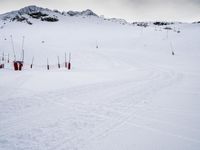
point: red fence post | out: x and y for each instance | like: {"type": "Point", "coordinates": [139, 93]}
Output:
{"type": "Point", "coordinates": [69, 66]}
{"type": "Point", "coordinates": [15, 64]}
{"type": "Point", "coordinates": [1, 66]}
{"type": "Point", "coordinates": [20, 66]}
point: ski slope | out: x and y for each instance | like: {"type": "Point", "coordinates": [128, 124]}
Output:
{"type": "Point", "coordinates": [129, 93]}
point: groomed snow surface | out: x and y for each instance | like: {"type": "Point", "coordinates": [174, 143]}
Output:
{"type": "Point", "coordinates": [130, 93]}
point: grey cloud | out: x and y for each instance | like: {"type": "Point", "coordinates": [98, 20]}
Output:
{"type": "Point", "coordinates": [195, 1]}
{"type": "Point", "coordinates": [146, 2]}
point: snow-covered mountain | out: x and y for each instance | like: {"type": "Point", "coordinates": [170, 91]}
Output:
{"type": "Point", "coordinates": [28, 13]}
{"type": "Point", "coordinates": [131, 85]}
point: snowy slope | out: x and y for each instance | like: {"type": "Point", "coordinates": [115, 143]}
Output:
{"type": "Point", "coordinates": [129, 93]}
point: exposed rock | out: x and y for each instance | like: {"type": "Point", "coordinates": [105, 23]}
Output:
{"type": "Point", "coordinates": [87, 12]}
{"type": "Point", "coordinates": [32, 9]}
{"type": "Point", "coordinates": [198, 22]}
{"type": "Point", "coordinates": [162, 23]}
{"type": "Point", "coordinates": [37, 15]}
{"type": "Point", "coordinates": [168, 28]}
{"type": "Point", "coordinates": [21, 19]}
{"type": "Point", "coordinates": [120, 21]}
{"type": "Point", "coordinates": [141, 24]}
{"type": "Point", "coordinates": [49, 19]}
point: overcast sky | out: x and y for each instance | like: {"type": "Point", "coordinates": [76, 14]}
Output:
{"type": "Point", "coordinates": [131, 10]}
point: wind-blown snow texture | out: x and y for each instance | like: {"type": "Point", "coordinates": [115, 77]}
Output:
{"type": "Point", "coordinates": [129, 93]}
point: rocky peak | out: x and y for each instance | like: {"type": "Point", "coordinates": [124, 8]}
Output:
{"type": "Point", "coordinates": [31, 9]}
{"type": "Point", "coordinates": [28, 13]}
{"type": "Point", "coordinates": [87, 12]}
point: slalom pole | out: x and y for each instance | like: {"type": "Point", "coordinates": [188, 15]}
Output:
{"type": "Point", "coordinates": [32, 62]}
{"type": "Point", "coordinates": [48, 64]}
{"type": "Point", "coordinates": [173, 53]}
{"type": "Point", "coordinates": [22, 57]}
{"type": "Point", "coordinates": [97, 45]}
{"type": "Point", "coordinates": [20, 65]}
{"type": "Point", "coordinates": [8, 61]}
{"type": "Point", "coordinates": [1, 64]}
{"type": "Point", "coordinates": [13, 47]}
{"type": "Point", "coordinates": [15, 65]}
{"type": "Point", "coordinates": [69, 64]}
{"type": "Point", "coordinates": [65, 60]}
{"type": "Point", "coordinates": [58, 62]}
{"type": "Point", "coordinates": [3, 56]}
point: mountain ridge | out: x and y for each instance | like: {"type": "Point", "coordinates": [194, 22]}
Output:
{"type": "Point", "coordinates": [30, 12]}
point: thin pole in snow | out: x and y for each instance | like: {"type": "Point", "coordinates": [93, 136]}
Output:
{"type": "Point", "coordinates": [69, 57]}
{"type": "Point", "coordinates": [32, 62]}
{"type": "Point", "coordinates": [65, 60]}
{"type": "Point", "coordinates": [97, 45]}
{"type": "Point", "coordinates": [8, 59]}
{"type": "Point", "coordinates": [47, 64]}
{"type": "Point", "coordinates": [23, 42]}
{"type": "Point", "coordinates": [1, 64]}
{"type": "Point", "coordinates": [3, 56]}
{"type": "Point", "coordinates": [22, 57]}
{"type": "Point", "coordinates": [58, 62]}
{"type": "Point", "coordinates": [69, 64]}
{"type": "Point", "coordinates": [13, 47]}
{"type": "Point", "coordinates": [172, 49]}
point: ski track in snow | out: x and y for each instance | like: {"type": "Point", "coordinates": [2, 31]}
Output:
{"type": "Point", "coordinates": [110, 95]}
{"type": "Point", "coordinates": [115, 102]}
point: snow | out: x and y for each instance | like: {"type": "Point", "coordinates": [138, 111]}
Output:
{"type": "Point", "coordinates": [129, 93]}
